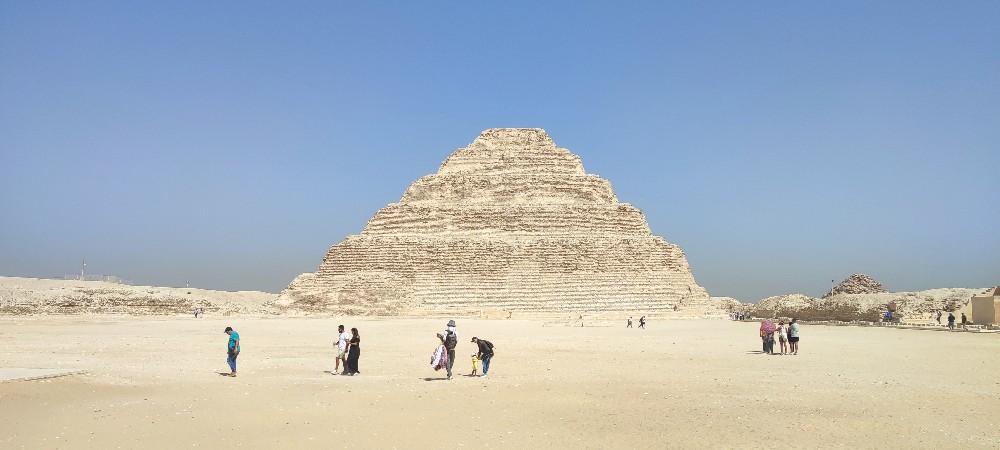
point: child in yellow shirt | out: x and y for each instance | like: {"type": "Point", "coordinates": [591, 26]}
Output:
{"type": "Point", "coordinates": [475, 364]}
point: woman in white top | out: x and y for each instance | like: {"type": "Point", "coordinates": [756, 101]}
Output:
{"type": "Point", "coordinates": [783, 337]}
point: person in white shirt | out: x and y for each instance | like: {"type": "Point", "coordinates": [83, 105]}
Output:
{"type": "Point", "coordinates": [783, 337]}
{"type": "Point", "coordinates": [341, 350]}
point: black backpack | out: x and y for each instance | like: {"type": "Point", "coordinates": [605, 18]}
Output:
{"type": "Point", "coordinates": [451, 341]}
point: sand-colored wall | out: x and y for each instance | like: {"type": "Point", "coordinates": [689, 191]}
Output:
{"type": "Point", "coordinates": [986, 310]}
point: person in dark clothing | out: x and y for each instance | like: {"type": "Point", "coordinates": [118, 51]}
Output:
{"type": "Point", "coordinates": [965, 320]}
{"type": "Point", "coordinates": [450, 341]}
{"type": "Point", "coordinates": [353, 353]}
{"type": "Point", "coordinates": [485, 353]}
{"type": "Point", "coordinates": [642, 322]}
{"type": "Point", "coordinates": [951, 320]}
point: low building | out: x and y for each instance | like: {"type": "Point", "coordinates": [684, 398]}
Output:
{"type": "Point", "coordinates": [986, 307]}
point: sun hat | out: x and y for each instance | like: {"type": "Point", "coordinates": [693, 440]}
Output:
{"type": "Point", "coordinates": [451, 323]}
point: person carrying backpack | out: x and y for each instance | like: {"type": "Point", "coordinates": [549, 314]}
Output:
{"type": "Point", "coordinates": [450, 340]}
{"type": "Point", "coordinates": [485, 353]}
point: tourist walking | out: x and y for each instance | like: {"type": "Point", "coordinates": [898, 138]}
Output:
{"type": "Point", "coordinates": [485, 353]}
{"type": "Point", "coordinates": [965, 320]}
{"type": "Point", "coordinates": [793, 336]}
{"type": "Point", "coordinates": [342, 339]}
{"type": "Point", "coordinates": [450, 340]}
{"type": "Point", "coordinates": [951, 320]}
{"type": "Point", "coordinates": [353, 353]}
{"type": "Point", "coordinates": [783, 337]}
{"type": "Point", "coordinates": [642, 322]}
{"type": "Point", "coordinates": [629, 322]}
{"type": "Point", "coordinates": [939, 317]}
{"type": "Point", "coordinates": [232, 349]}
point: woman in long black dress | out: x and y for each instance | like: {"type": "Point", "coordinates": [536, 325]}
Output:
{"type": "Point", "coordinates": [353, 353]}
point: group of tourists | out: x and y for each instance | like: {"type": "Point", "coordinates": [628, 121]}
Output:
{"type": "Point", "coordinates": [642, 322]}
{"type": "Point", "coordinates": [739, 315]}
{"type": "Point", "coordinates": [786, 335]}
{"type": "Point", "coordinates": [348, 351]}
{"type": "Point", "coordinates": [951, 319]}
{"type": "Point", "coordinates": [444, 355]}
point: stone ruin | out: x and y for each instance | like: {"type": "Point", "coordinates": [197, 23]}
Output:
{"type": "Point", "coordinates": [509, 224]}
{"type": "Point", "coordinates": [857, 284]}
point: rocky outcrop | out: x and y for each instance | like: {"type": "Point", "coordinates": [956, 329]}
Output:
{"type": "Point", "coordinates": [857, 284]}
{"type": "Point", "coordinates": [510, 223]}
{"type": "Point", "coordinates": [909, 306]}
{"type": "Point", "coordinates": [29, 296]}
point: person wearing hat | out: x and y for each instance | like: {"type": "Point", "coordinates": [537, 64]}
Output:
{"type": "Point", "coordinates": [485, 353]}
{"type": "Point", "coordinates": [233, 349]}
{"type": "Point", "coordinates": [450, 341]}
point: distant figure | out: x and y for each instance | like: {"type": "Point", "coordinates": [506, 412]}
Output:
{"type": "Point", "coordinates": [353, 353]}
{"type": "Point", "coordinates": [642, 322]}
{"type": "Point", "coordinates": [450, 341]}
{"type": "Point", "coordinates": [475, 364]}
{"type": "Point", "coordinates": [232, 349]}
{"type": "Point", "coordinates": [342, 339]}
{"type": "Point", "coordinates": [783, 337]}
{"type": "Point", "coordinates": [888, 316]}
{"type": "Point", "coordinates": [629, 323]}
{"type": "Point", "coordinates": [485, 353]}
{"type": "Point", "coordinates": [793, 337]}
{"type": "Point", "coordinates": [939, 316]}
{"type": "Point", "coordinates": [951, 320]}
{"type": "Point", "coordinates": [964, 320]}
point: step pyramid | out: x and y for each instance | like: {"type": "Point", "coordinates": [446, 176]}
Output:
{"type": "Point", "coordinates": [510, 223]}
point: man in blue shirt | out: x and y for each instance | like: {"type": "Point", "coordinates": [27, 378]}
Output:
{"type": "Point", "coordinates": [233, 349]}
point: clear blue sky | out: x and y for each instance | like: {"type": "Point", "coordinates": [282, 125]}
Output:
{"type": "Point", "coordinates": [230, 144]}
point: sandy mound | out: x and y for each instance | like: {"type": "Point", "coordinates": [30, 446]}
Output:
{"type": "Point", "coordinates": [910, 306]}
{"type": "Point", "coordinates": [26, 296]}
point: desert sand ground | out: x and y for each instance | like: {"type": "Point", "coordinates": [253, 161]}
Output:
{"type": "Point", "coordinates": [155, 383]}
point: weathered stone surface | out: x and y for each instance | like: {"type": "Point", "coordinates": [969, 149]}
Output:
{"type": "Point", "coordinates": [29, 296]}
{"type": "Point", "coordinates": [909, 306]}
{"type": "Point", "coordinates": [509, 223]}
{"type": "Point", "coordinates": [857, 284]}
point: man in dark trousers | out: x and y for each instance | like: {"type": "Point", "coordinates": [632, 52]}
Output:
{"type": "Point", "coordinates": [450, 341]}
{"type": "Point", "coordinates": [485, 353]}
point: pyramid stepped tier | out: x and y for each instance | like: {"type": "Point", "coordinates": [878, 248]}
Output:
{"type": "Point", "coordinates": [588, 220]}
{"type": "Point", "coordinates": [509, 223]}
{"type": "Point", "coordinates": [510, 189]}
{"type": "Point", "coordinates": [409, 256]}
{"type": "Point", "coordinates": [505, 150]}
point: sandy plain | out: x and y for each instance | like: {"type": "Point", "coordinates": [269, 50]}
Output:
{"type": "Point", "coordinates": [156, 383]}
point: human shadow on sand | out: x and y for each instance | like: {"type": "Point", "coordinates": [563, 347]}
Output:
{"type": "Point", "coordinates": [759, 352]}
{"type": "Point", "coordinates": [435, 379]}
